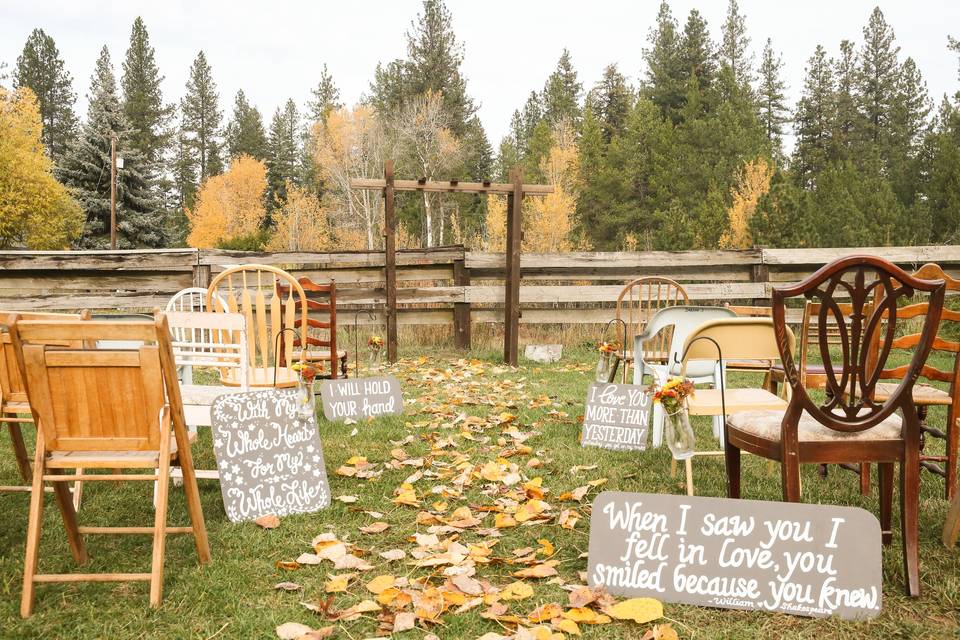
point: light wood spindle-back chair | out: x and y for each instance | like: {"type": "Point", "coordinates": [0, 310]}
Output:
{"type": "Point", "coordinates": [321, 342]}
{"type": "Point", "coordinates": [14, 405]}
{"type": "Point", "coordinates": [638, 302]}
{"type": "Point", "coordinates": [104, 408]}
{"type": "Point", "coordinates": [252, 291]}
{"type": "Point", "coordinates": [849, 426]}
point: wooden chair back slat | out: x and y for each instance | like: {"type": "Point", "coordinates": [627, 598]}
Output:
{"type": "Point", "coordinates": [253, 290]}
{"type": "Point", "coordinates": [639, 301]}
{"type": "Point", "coordinates": [851, 380]}
{"type": "Point", "coordinates": [321, 298]}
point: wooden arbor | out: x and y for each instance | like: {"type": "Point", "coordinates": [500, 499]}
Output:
{"type": "Point", "coordinates": [515, 190]}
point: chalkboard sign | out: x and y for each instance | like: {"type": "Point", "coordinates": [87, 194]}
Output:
{"type": "Point", "coordinates": [804, 559]}
{"type": "Point", "coordinates": [358, 398]}
{"type": "Point", "coordinates": [616, 416]}
{"type": "Point", "coordinates": [268, 454]}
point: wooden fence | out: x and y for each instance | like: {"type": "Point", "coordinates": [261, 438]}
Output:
{"type": "Point", "coordinates": [441, 286]}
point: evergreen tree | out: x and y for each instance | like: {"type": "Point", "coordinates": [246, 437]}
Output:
{"type": "Point", "coordinates": [41, 69]}
{"type": "Point", "coordinates": [907, 129]}
{"type": "Point", "coordinates": [86, 170]}
{"type": "Point", "coordinates": [283, 153]}
{"type": "Point", "coordinates": [611, 100]}
{"type": "Point", "coordinates": [561, 94]}
{"type": "Point", "coordinates": [245, 133]}
{"type": "Point", "coordinates": [878, 76]}
{"type": "Point", "coordinates": [697, 55]}
{"type": "Point", "coordinates": [666, 76]}
{"type": "Point", "coordinates": [814, 120]}
{"type": "Point", "coordinates": [143, 104]}
{"type": "Point", "coordinates": [735, 45]}
{"type": "Point", "coordinates": [771, 100]}
{"type": "Point", "coordinates": [201, 123]}
{"type": "Point", "coordinates": [846, 140]}
{"type": "Point", "coordinates": [326, 98]}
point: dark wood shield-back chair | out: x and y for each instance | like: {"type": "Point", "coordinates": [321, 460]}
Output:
{"type": "Point", "coordinates": [851, 426]}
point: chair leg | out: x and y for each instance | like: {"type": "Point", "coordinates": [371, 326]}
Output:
{"type": "Point", "coordinates": [688, 467]}
{"type": "Point", "coordinates": [65, 502]}
{"type": "Point", "coordinates": [885, 480]}
{"type": "Point", "coordinates": [160, 526]}
{"type": "Point", "coordinates": [34, 522]}
{"type": "Point", "coordinates": [910, 514]}
{"type": "Point", "coordinates": [657, 420]}
{"type": "Point", "coordinates": [790, 477]}
{"type": "Point", "coordinates": [20, 450]}
{"type": "Point", "coordinates": [77, 491]}
{"type": "Point", "coordinates": [952, 450]}
{"type": "Point", "coordinates": [185, 461]}
{"type": "Point", "coordinates": [951, 528]}
{"type": "Point", "coordinates": [865, 478]}
{"type": "Point", "coordinates": [731, 456]}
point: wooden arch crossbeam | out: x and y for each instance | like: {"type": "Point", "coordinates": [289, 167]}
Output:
{"type": "Point", "coordinates": [515, 190]}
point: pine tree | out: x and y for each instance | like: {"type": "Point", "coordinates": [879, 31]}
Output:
{"type": "Point", "coordinates": [561, 93]}
{"type": "Point", "coordinates": [326, 98]}
{"type": "Point", "coordinates": [847, 137]}
{"type": "Point", "coordinates": [771, 100]}
{"type": "Point", "coordinates": [814, 120]}
{"type": "Point", "coordinates": [41, 69]}
{"type": "Point", "coordinates": [611, 100]}
{"type": "Point", "coordinates": [283, 153]}
{"type": "Point", "coordinates": [697, 55]}
{"type": "Point", "coordinates": [245, 133]}
{"type": "Point", "coordinates": [666, 76]}
{"type": "Point", "coordinates": [735, 45]}
{"type": "Point", "coordinates": [201, 120]}
{"type": "Point", "coordinates": [86, 170]}
{"type": "Point", "coordinates": [907, 131]}
{"type": "Point", "coordinates": [143, 104]}
{"type": "Point", "coordinates": [878, 76]}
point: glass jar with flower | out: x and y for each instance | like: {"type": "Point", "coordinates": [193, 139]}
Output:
{"type": "Point", "coordinates": [375, 345]}
{"type": "Point", "coordinates": [677, 431]}
{"type": "Point", "coordinates": [306, 374]}
{"type": "Point", "coordinates": [608, 362]}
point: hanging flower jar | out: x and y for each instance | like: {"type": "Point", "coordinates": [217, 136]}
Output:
{"type": "Point", "coordinates": [375, 346]}
{"type": "Point", "coordinates": [608, 362]}
{"type": "Point", "coordinates": [305, 398]}
{"type": "Point", "coordinates": [676, 426]}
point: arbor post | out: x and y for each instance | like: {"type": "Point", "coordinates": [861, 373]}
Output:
{"type": "Point", "coordinates": [390, 260]}
{"type": "Point", "coordinates": [511, 319]}
{"type": "Point", "coordinates": [461, 310]}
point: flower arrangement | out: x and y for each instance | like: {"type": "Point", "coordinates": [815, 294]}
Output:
{"type": "Point", "coordinates": [307, 372]}
{"type": "Point", "coordinates": [608, 347]}
{"type": "Point", "coordinates": [673, 393]}
{"type": "Point", "coordinates": [375, 342]}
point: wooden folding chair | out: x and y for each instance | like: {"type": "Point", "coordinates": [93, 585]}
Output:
{"type": "Point", "coordinates": [14, 407]}
{"type": "Point", "coordinates": [101, 408]}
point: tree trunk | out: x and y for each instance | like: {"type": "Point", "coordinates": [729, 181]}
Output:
{"type": "Point", "coordinates": [428, 217]}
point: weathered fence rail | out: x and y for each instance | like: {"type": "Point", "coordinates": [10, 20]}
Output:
{"type": "Point", "coordinates": [441, 286]}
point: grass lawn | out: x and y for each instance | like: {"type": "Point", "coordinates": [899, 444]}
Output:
{"type": "Point", "coordinates": [234, 597]}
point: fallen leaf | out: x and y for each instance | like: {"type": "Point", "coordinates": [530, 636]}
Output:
{"type": "Point", "coordinates": [376, 527]}
{"type": "Point", "coordinates": [468, 585]}
{"type": "Point", "coordinates": [567, 626]}
{"type": "Point", "coordinates": [503, 521]}
{"type": "Point", "coordinates": [347, 499]}
{"type": "Point", "coordinates": [545, 613]}
{"type": "Point", "coordinates": [309, 558]}
{"type": "Point", "coordinates": [292, 630]}
{"type": "Point", "coordinates": [516, 591]}
{"type": "Point", "coordinates": [268, 522]}
{"type": "Point", "coordinates": [543, 570]}
{"type": "Point", "coordinates": [287, 586]}
{"type": "Point", "coordinates": [404, 621]}
{"type": "Point", "coordinates": [394, 555]}
{"type": "Point", "coordinates": [546, 548]}
{"type": "Point", "coordinates": [640, 610]}
{"type": "Point", "coordinates": [381, 583]}
{"type": "Point", "coordinates": [338, 584]}
{"type": "Point", "coordinates": [286, 565]}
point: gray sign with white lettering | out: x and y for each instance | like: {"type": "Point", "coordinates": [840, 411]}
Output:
{"type": "Point", "coordinates": [359, 398]}
{"type": "Point", "coordinates": [616, 416]}
{"type": "Point", "coordinates": [803, 559]}
{"type": "Point", "coordinates": [268, 454]}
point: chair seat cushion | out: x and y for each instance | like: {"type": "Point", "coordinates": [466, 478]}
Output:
{"type": "Point", "coordinates": [811, 368]}
{"type": "Point", "coordinates": [324, 354]}
{"type": "Point", "coordinates": [923, 394]}
{"type": "Point", "coordinates": [766, 425]}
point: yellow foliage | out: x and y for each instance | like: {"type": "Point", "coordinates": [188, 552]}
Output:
{"type": "Point", "coordinates": [496, 224]}
{"type": "Point", "coordinates": [549, 220]}
{"type": "Point", "coordinates": [229, 205]}
{"type": "Point", "coordinates": [753, 180]}
{"type": "Point", "coordinates": [301, 223]}
{"type": "Point", "coordinates": [35, 209]}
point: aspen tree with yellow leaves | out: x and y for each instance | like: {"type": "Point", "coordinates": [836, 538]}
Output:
{"type": "Point", "coordinates": [229, 206]}
{"type": "Point", "coordinates": [301, 223]}
{"type": "Point", "coordinates": [36, 211]}
{"type": "Point", "coordinates": [752, 182]}
{"type": "Point", "coordinates": [549, 221]}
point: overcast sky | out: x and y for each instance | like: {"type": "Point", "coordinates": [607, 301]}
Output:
{"type": "Point", "coordinates": [274, 50]}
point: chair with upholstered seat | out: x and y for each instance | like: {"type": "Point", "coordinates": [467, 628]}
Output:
{"type": "Point", "coordinates": [99, 407]}
{"type": "Point", "coordinates": [849, 426]}
{"type": "Point", "coordinates": [251, 290]}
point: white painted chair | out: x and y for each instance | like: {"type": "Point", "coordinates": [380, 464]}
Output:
{"type": "Point", "coordinates": [684, 321]}
{"type": "Point", "coordinates": [191, 299]}
{"type": "Point", "coordinates": [207, 339]}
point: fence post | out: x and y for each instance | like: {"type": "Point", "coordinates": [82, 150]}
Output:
{"type": "Point", "coordinates": [390, 260]}
{"type": "Point", "coordinates": [511, 299]}
{"type": "Point", "coordinates": [760, 272]}
{"type": "Point", "coordinates": [201, 272]}
{"type": "Point", "coordinates": [461, 310]}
